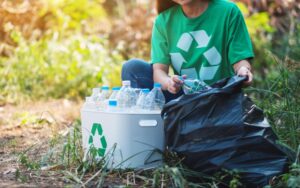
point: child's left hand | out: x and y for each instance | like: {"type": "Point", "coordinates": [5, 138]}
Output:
{"type": "Point", "coordinates": [243, 68]}
{"type": "Point", "coordinates": [244, 71]}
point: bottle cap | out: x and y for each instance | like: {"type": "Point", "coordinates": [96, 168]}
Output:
{"type": "Point", "coordinates": [105, 88]}
{"type": "Point", "coordinates": [112, 102]}
{"type": "Point", "coordinates": [126, 83]}
{"type": "Point", "coordinates": [145, 90]}
{"type": "Point", "coordinates": [116, 88]}
{"type": "Point", "coordinates": [157, 85]}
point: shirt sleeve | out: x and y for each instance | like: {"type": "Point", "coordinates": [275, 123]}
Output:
{"type": "Point", "coordinates": [159, 44]}
{"type": "Point", "coordinates": [239, 44]}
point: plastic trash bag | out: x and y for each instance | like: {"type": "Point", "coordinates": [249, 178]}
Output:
{"type": "Point", "coordinates": [220, 128]}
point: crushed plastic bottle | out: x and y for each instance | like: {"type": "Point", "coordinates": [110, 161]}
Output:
{"type": "Point", "coordinates": [141, 102]}
{"type": "Point", "coordinates": [155, 100]}
{"type": "Point", "coordinates": [191, 86]}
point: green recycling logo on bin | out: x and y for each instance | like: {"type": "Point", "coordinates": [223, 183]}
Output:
{"type": "Point", "coordinates": [97, 133]}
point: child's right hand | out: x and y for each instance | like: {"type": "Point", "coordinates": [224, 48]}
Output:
{"type": "Point", "coordinates": [175, 83]}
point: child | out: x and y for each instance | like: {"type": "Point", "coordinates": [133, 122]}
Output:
{"type": "Point", "coordinates": [199, 39]}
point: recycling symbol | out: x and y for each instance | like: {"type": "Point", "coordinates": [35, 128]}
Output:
{"type": "Point", "coordinates": [212, 55]}
{"type": "Point", "coordinates": [97, 135]}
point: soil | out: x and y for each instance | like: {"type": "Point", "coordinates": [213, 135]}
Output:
{"type": "Point", "coordinates": [28, 125]}
{"type": "Point", "coordinates": [30, 128]}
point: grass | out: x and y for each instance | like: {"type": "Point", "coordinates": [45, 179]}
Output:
{"type": "Point", "coordinates": [281, 102]}
{"type": "Point", "coordinates": [65, 156]}
{"type": "Point", "coordinates": [65, 62]}
{"type": "Point", "coordinates": [60, 68]}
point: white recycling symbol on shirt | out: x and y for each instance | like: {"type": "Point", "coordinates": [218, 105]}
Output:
{"type": "Point", "coordinates": [212, 55]}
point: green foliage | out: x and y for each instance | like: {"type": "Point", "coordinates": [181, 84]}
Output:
{"type": "Point", "coordinates": [257, 22]}
{"type": "Point", "coordinates": [72, 149]}
{"type": "Point", "coordinates": [290, 179]}
{"type": "Point", "coordinates": [50, 67]}
{"type": "Point", "coordinates": [66, 60]}
{"type": "Point", "coordinates": [21, 177]}
{"type": "Point", "coordinates": [294, 177]}
{"type": "Point", "coordinates": [69, 15]}
{"type": "Point", "coordinates": [31, 165]}
{"type": "Point", "coordinates": [26, 161]}
{"type": "Point", "coordinates": [276, 73]}
{"type": "Point", "coordinates": [281, 101]}
{"type": "Point", "coordinates": [287, 46]}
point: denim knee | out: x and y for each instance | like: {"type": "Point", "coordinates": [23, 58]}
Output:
{"type": "Point", "coordinates": [132, 67]}
{"type": "Point", "coordinates": [139, 72]}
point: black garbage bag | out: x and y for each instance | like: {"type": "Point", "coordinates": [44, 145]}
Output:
{"type": "Point", "coordinates": [221, 128]}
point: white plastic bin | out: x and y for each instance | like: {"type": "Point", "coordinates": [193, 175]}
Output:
{"type": "Point", "coordinates": [138, 137]}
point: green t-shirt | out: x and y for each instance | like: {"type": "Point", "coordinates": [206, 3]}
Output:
{"type": "Point", "coordinates": [204, 47]}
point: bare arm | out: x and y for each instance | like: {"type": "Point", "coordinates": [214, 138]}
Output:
{"type": "Point", "coordinates": [160, 74]}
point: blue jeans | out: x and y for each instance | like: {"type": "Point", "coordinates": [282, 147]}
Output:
{"type": "Point", "coordinates": [140, 74]}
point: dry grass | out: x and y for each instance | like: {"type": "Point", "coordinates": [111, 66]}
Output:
{"type": "Point", "coordinates": [32, 125]}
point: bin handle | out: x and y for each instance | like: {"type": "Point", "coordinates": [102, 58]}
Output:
{"type": "Point", "coordinates": [148, 123]}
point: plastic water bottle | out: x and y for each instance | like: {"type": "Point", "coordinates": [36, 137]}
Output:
{"type": "Point", "coordinates": [137, 91]}
{"type": "Point", "coordinates": [102, 100]}
{"type": "Point", "coordinates": [112, 105]}
{"type": "Point", "coordinates": [142, 99]}
{"type": "Point", "coordinates": [95, 94]}
{"type": "Point", "coordinates": [124, 96]}
{"type": "Point", "coordinates": [89, 104]}
{"type": "Point", "coordinates": [155, 100]}
{"type": "Point", "coordinates": [134, 94]}
{"type": "Point", "coordinates": [191, 86]}
{"type": "Point", "coordinates": [115, 91]}
{"type": "Point", "coordinates": [104, 93]}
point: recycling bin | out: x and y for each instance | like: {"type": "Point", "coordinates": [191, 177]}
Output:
{"type": "Point", "coordinates": [125, 139]}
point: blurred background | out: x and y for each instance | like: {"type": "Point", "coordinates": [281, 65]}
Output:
{"type": "Point", "coordinates": [53, 52]}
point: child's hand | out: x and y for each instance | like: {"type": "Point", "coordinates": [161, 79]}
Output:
{"type": "Point", "coordinates": [175, 83]}
{"type": "Point", "coordinates": [245, 71]}
{"type": "Point", "coordinates": [243, 68]}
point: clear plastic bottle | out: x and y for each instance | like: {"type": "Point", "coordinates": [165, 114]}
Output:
{"type": "Point", "coordinates": [191, 86]}
{"type": "Point", "coordinates": [155, 100]}
{"type": "Point", "coordinates": [124, 96]}
{"type": "Point", "coordinates": [137, 91]}
{"type": "Point", "coordinates": [104, 93]}
{"type": "Point", "coordinates": [102, 100]}
{"type": "Point", "coordinates": [142, 99]}
{"type": "Point", "coordinates": [89, 104]}
{"type": "Point", "coordinates": [112, 105]}
{"type": "Point", "coordinates": [134, 94]}
{"type": "Point", "coordinates": [115, 91]}
{"type": "Point", "coordinates": [95, 94]}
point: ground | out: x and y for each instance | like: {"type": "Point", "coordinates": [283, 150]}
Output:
{"type": "Point", "coordinates": [30, 126]}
